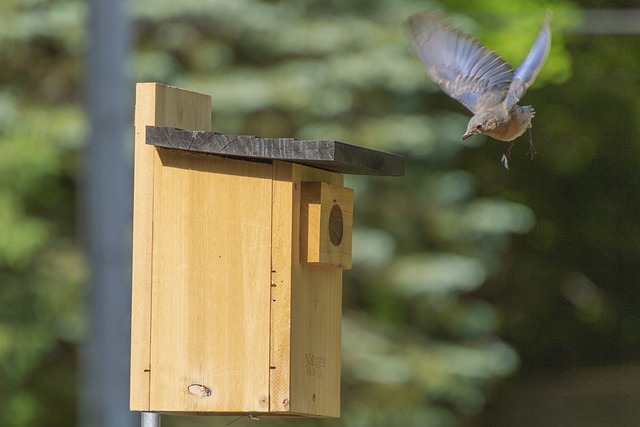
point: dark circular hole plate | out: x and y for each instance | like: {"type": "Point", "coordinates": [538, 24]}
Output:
{"type": "Point", "coordinates": [336, 227]}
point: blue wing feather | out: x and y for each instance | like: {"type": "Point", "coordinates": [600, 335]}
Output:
{"type": "Point", "coordinates": [463, 68]}
{"type": "Point", "coordinates": [528, 70]}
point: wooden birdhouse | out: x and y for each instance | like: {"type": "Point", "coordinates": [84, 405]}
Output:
{"type": "Point", "coordinates": [239, 244]}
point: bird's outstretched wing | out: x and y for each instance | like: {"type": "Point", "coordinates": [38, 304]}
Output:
{"type": "Point", "coordinates": [528, 70]}
{"type": "Point", "coordinates": [464, 69]}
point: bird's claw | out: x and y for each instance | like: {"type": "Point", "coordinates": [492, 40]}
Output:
{"type": "Point", "coordinates": [505, 161]}
{"type": "Point", "coordinates": [506, 155]}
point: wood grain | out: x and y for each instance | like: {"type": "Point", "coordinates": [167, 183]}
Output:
{"type": "Point", "coordinates": [306, 328]}
{"type": "Point", "coordinates": [316, 316]}
{"type": "Point", "coordinates": [323, 154]}
{"type": "Point", "coordinates": [211, 296]}
{"type": "Point", "coordinates": [283, 230]}
{"type": "Point", "coordinates": [156, 105]}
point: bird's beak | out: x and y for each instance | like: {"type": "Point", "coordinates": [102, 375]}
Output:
{"type": "Point", "coordinates": [466, 135]}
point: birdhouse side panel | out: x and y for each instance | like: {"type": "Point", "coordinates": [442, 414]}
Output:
{"type": "Point", "coordinates": [316, 342]}
{"type": "Point", "coordinates": [211, 284]}
{"type": "Point", "coordinates": [306, 314]}
{"type": "Point", "coordinates": [316, 305]}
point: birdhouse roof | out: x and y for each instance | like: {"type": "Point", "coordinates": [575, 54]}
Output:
{"type": "Point", "coordinates": [330, 155]}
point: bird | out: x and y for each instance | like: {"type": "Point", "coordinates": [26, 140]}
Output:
{"type": "Point", "coordinates": [479, 78]}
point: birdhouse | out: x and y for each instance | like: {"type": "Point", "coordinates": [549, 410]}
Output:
{"type": "Point", "coordinates": [239, 245]}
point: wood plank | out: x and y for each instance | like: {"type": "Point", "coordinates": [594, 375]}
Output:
{"type": "Point", "coordinates": [281, 274]}
{"type": "Point", "coordinates": [308, 346]}
{"type": "Point", "coordinates": [316, 313]}
{"type": "Point", "coordinates": [211, 294]}
{"type": "Point", "coordinates": [324, 154]}
{"type": "Point", "coordinates": [325, 224]}
{"type": "Point", "coordinates": [156, 105]}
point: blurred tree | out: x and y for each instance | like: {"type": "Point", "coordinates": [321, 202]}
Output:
{"type": "Point", "coordinates": [41, 270]}
{"type": "Point", "coordinates": [439, 286]}
{"type": "Point", "coordinates": [419, 349]}
{"type": "Point", "coordinates": [568, 290]}
{"type": "Point", "coordinates": [580, 266]}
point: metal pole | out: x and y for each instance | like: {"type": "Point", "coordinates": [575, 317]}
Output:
{"type": "Point", "coordinates": [107, 206]}
{"type": "Point", "coordinates": [150, 419]}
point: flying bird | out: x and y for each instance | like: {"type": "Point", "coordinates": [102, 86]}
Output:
{"type": "Point", "coordinates": [479, 78]}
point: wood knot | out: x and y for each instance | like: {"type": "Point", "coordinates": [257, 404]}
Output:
{"type": "Point", "coordinates": [199, 390]}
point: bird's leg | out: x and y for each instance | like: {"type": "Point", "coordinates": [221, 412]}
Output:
{"type": "Point", "coordinates": [506, 155]}
{"type": "Point", "coordinates": [531, 149]}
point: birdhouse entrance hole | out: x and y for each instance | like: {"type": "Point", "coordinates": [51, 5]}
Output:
{"type": "Point", "coordinates": [335, 225]}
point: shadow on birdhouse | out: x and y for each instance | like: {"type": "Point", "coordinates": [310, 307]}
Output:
{"type": "Point", "coordinates": [239, 244]}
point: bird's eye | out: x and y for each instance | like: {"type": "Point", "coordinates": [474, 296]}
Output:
{"type": "Point", "coordinates": [479, 127]}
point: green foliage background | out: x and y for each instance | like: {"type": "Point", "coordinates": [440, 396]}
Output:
{"type": "Point", "coordinates": [464, 273]}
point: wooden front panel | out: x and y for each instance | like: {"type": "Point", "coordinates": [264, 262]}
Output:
{"type": "Point", "coordinates": [211, 284]}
